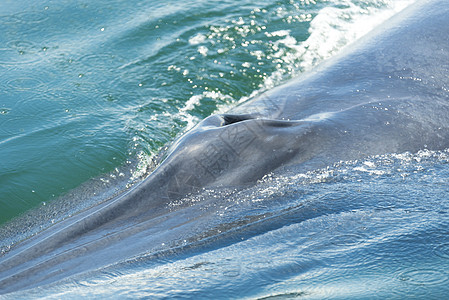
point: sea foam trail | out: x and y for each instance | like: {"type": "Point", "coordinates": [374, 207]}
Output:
{"type": "Point", "coordinates": [276, 55]}
{"type": "Point", "coordinates": [332, 28]}
{"type": "Point", "coordinates": [280, 33]}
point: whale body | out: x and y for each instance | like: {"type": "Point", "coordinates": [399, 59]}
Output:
{"type": "Point", "coordinates": [387, 93]}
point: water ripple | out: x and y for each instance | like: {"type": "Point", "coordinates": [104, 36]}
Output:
{"type": "Point", "coordinates": [29, 17]}
{"type": "Point", "coordinates": [11, 56]}
{"type": "Point", "coordinates": [21, 45]}
{"type": "Point", "coordinates": [25, 83]}
{"type": "Point", "coordinates": [347, 239]}
{"type": "Point", "coordinates": [422, 277]}
{"type": "Point", "coordinates": [442, 250]}
{"type": "Point", "coordinates": [8, 19]}
{"type": "Point", "coordinates": [103, 61]}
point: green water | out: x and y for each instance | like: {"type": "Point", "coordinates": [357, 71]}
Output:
{"type": "Point", "coordinates": [85, 86]}
{"type": "Point", "coordinates": [90, 91]}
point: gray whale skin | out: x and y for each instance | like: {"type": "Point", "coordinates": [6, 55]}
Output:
{"type": "Point", "coordinates": [387, 93]}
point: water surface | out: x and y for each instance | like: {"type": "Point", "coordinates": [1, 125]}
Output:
{"type": "Point", "coordinates": [91, 92]}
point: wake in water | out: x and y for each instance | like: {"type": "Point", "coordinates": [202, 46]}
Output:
{"type": "Point", "coordinates": [209, 232]}
{"type": "Point", "coordinates": [303, 236]}
{"type": "Point", "coordinates": [150, 50]}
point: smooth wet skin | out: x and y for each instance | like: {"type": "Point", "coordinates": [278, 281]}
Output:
{"type": "Point", "coordinates": [386, 94]}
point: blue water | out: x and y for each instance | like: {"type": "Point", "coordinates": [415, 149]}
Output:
{"type": "Point", "coordinates": [90, 93]}
{"type": "Point", "coordinates": [376, 228]}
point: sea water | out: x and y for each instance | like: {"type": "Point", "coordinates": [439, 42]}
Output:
{"type": "Point", "coordinates": [91, 92]}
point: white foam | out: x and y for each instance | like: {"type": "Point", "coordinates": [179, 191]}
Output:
{"type": "Point", "coordinates": [197, 39]}
{"type": "Point", "coordinates": [278, 33]}
{"type": "Point", "coordinates": [203, 50]}
{"type": "Point", "coordinates": [195, 100]}
{"type": "Point", "coordinates": [333, 28]}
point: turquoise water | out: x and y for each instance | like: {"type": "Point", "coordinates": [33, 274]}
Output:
{"type": "Point", "coordinates": [85, 87]}
{"type": "Point", "coordinates": [92, 91]}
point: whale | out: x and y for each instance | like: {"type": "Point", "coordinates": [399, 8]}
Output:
{"type": "Point", "coordinates": [386, 93]}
